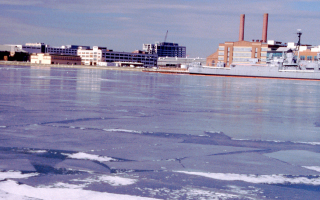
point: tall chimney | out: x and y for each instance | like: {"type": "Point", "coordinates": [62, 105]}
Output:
{"type": "Point", "coordinates": [265, 27]}
{"type": "Point", "coordinates": [241, 30]}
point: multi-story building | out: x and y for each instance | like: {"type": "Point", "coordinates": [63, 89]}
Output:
{"type": "Point", "coordinates": [165, 49]}
{"type": "Point", "coordinates": [44, 48]}
{"type": "Point", "coordinates": [66, 50]}
{"type": "Point", "coordinates": [45, 58]}
{"type": "Point", "coordinates": [34, 48]}
{"type": "Point", "coordinates": [13, 53]}
{"type": "Point", "coordinates": [95, 55]}
{"type": "Point", "coordinates": [92, 56]}
{"type": "Point", "coordinates": [239, 52]}
{"type": "Point", "coordinates": [257, 51]}
{"type": "Point", "coordinates": [102, 54]}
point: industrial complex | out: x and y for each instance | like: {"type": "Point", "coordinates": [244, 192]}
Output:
{"type": "Point", "coordinates": [256, 51]}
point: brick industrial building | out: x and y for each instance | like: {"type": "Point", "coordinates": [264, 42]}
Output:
{"type": "Point", "coordinates": [256, 51]}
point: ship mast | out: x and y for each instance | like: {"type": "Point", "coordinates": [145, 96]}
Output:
{"type": "Point", "coordinates": [299, 33]}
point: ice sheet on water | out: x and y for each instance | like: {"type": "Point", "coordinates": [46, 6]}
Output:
{"type": "Point", "coordinates": [16, 165]}
{"type": "Point", "coordinates": [11, 188]}
{"type": "Point", "coordinates": [259, 179]}
{"type": "Point", "coordinates": [188, 192]}
{"type": "Point", "coordinates": [297, 157]}
{"type": "Point", "coordinates": [122, 130]}
{"type": "Point", "coordinates": [82, 166]}
{"type": "Point", "coordinates": [277, 141]}
{"type": "Point", "coordinates": [311, 143]}
{"type": "Point", "coordinates": [111, 180]}
{"type": "Point", "coordinates": [86, 156]}
{"type": "Point", "coordinates": [314, 168]}
{"type": "Point", "coordinates": [37, 151]}
{"type": "Point", "coordinates": [15, 175]}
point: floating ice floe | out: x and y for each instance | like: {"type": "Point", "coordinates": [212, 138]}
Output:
{"type": "Point", "coordinates": [112, 180]}
{"type": "Point", "coordinates": [86, 156]}
{"type": "Point", "coordinates": [194, 193]}
{"type": "Point", "coordinates": [277, 141]}
{"type": "Point", "coordinates": [15, 175]}
{"type": "Point", "coordinates": [314, 168]}
{"type": "Point", "coordinates": [37, 151]}
{"type": "Point", "coordinates": [11, 188]}
{"type": "Point", "coordinates": [311, 143]}
{"type": "Point", "coordinates": [260, 179]}
{"type": "Point", "coordinates": [123, 130]}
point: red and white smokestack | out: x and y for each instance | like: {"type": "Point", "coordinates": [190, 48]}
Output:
{"type": "Point", "coordinates": [241, 30]}
{"type": "Point", "coordinates": [265, 27]}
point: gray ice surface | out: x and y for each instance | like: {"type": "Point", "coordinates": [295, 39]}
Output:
{"type": "Point", "coordinates": [153, 125]}
{"type": "Point", "coordinates": [297, 157]}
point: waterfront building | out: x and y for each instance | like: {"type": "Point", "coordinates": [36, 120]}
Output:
{"type": "Point", "coordinates": [256, 51]}
{"type": "Point", "coordinates": [44, 48]}
{"type": "Point", "coordinates": [10, 52]}
{"type": "Point", "coordinates": [91, 56]}
{"type": "Point", "coordinates": [165, 49]}
{"type": "Point", "coordinates": [102, 54]}
{"type": "Point", "coordinates": [66, 50]}
{"type": "Point", "coordinates": [34, 47]}
{"type": "Point", "coordinates": [45, 58]}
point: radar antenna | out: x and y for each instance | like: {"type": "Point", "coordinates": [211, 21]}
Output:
{"type": "Point", "coordinates": [299, 33]}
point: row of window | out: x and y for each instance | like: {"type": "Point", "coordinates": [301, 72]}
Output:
{"type": "Point", "coordinates": [245, 49]}
{"type": "Point", "coordinates": [31, 47]}
{"type": "Point", "coordinates": [64, 58]}
{"type": "Point", "coordinates": [83, 53]}
{"type": "Point", "coordinates": [308, 58]}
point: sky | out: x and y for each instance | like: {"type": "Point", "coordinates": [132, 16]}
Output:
{"type": "Point", "coordinates": [125, 25]}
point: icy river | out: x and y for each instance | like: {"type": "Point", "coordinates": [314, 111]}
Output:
{"type": "Point", "coordinates": [103, 134]}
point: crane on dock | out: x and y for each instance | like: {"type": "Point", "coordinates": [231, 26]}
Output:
{"type": "Point", "coordinates": [165, 38]}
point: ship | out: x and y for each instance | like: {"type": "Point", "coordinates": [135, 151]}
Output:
{"type": "Point", "coordinates": [280, 68]}
{"type": "Point", "coordinates": [287, 65]}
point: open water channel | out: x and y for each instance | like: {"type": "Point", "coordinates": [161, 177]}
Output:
{"type": "Point", "coordinates": [102, 134]}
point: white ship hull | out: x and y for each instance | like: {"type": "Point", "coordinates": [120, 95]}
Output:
{"type": "Point", "coordinates": [256, 71]}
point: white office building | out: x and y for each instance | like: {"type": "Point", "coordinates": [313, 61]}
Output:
{"type": "Point", "coordinates": [102, 54]}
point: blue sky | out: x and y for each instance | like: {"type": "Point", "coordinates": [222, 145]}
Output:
{"type": "Point", "coordinates": [124, 25]}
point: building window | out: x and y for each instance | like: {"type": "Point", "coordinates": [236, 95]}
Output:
{"type": "Point", "coordinates": [315, 58]}
{"type": "Point", "coordinates": [302, 57]}
{"type": "Point", "coordinates": [221, 48]}
{"type": "Point", "coordinates": [243, 49]}
{"type": "Point", "coordinates": [242, 54]}
{"type": "Point", "coordinates": [309, 57]}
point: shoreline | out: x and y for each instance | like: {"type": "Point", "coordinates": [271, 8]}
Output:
{"type": "Point", "coordinates": [164, 71]}
{"type": "Point", "coordinates": [70, 66]}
